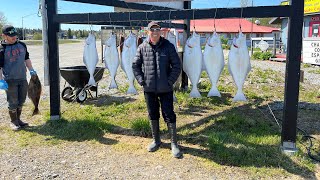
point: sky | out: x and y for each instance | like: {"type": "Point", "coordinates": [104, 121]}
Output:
{"type": "Point", "coordinates": [17, 10]}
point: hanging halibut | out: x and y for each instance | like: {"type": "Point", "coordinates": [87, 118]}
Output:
{"type": "Point", "coordinates": [111, 58]}
{"type": "Point", "coordinates": [173, 40]}
{"type": "Point", "coordinates": [90, 57]}
{"type": "Point", "coordinates": [192, 62]}
{"type": "Point", "coordinates": [214, 60]}
{"type": "Point", "coordinates": [239, 64]}
{"type": "Point", "coordinates": [128, 54]}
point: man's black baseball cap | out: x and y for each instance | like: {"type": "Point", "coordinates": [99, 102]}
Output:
{"type": "Point", "coordinates": [9, 30]}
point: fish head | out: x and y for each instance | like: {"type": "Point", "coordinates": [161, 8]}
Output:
{"type": "Point", "coordinates": [170, 35]}
{"type": "Point", "coordinates": [111, 40]}
{"type": "Point", "coordinates": [235, 43]}
{"type": "Point", "coordinates": [128, 42]}
{"type": "Point", "coordinates": [193, 40]}
{"type": "Point", "coordinates": [214, 40]}
{"type": "Point", "coordinates": [34, 78]}
{"type": "Point", "coordinates": [241, 40]}
{"type": "Point", "coordinates": [90, 39]}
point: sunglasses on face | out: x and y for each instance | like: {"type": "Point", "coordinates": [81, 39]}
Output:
{"type": "Point", "coordinates": [155, 29]}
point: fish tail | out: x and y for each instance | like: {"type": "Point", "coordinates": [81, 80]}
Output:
{"type": "Point", "coordinates": [195, 93]}
{"type": "Point", "coordinates": [175, 98]}
{"type": "Point", "coordinates": [35, 111]}
{"type": "Point", "coordinates": [214, 92]}
{"type": "Point", "coordinates": [239, 96]}
{"type": "Point", "coordinates": [132, 90]}
{"type": "Point", "coordinates": [113, 84]}
{"type": "Point", "coordinates": [92, 82]}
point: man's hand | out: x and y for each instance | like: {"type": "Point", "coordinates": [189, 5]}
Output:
{"type": "Point", "coordinates": [32, 72]}
{"type": "Point", "coordinates": [3, 85]}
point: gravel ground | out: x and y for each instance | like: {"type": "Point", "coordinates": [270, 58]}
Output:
{"type": "Point", "coordinates": [82, 160]}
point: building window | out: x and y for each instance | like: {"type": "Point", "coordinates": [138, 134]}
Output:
{"type": "Point", "coordinates": [259, 35]}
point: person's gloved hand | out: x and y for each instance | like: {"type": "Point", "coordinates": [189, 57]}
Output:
{"type": "Point", "coordinates": [33, 72]}
{"type": "Point", "coordinates": [3, 85]}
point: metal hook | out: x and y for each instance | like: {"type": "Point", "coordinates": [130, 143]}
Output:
{"type": "Point", "coordinates": [89, 23]}
{"type": "Point", "coordinates": [147, 16]}
{"type": "Point", "coordinates": [194, 22]}
{"type": "Point", "coordinates": [214, 20]}
{"type": "Point", "coordinates": [130, 20]}
{"type": "Point", "coordinates": [240, 18]}
{"type": "Point", "coordinates": [88, 18]}
{"type": "Point", "coordinates": [170, 18]}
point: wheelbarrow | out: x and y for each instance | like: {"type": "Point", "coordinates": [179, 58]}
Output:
{"type": "Point", "coordinates": [77, 77]}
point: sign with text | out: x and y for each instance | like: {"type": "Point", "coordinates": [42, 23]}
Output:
{"type": "Point", "coordinates": [311, 50]}
{"type": "Point", "coordinates": [310, 6]}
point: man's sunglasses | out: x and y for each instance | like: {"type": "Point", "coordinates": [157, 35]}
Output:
{"type": "Point", "coordinates": [155, 29]}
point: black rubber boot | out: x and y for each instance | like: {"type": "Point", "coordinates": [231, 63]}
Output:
{"type": "Point", "coordinates": [174, 145]}
{"type": "Point", "coordinates": [14, 120]}
{"type": "Point", "coordinates": [155, 135]}
{"type": "Point", "coordinates": [21, 123]}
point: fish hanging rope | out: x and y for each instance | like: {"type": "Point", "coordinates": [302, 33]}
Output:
{"type": "Point", "coordinates": [244, 3]}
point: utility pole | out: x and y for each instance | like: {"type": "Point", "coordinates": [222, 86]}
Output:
{"type": "Point", "coordinates": [23, 33]}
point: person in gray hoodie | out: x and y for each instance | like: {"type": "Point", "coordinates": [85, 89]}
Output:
{"type": "Point", "coordinates": [14, 59]}
{"type": "Point", "coordinates": [157, 67]}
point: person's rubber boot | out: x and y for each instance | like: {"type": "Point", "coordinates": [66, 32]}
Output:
{"type": "Point", "coordinates": [174, 145]}
{"type": "Point", "coordinates": [14, 120]}
{"type": "Point", "coordinates": [155, 135]}
{"type": "Point", "coordinates": [21, 123]}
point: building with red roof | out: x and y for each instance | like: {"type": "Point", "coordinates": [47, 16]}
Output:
{"type": "Point", "coordinates": [229, 28]}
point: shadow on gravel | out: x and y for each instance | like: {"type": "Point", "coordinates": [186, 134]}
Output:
{"type": "Point", "coordinates": [308, 115]}
{"type": "Point", "coordinates": [244, 136]}
{"type": "Point", "coordinates": [75, 130]}
{"type": "Point", "coordinates": [106, 100]}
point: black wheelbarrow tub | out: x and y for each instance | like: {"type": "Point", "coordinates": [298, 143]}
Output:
{"type": "Point", "coordinates": [78, 76]}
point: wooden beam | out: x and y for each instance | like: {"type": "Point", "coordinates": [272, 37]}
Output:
{"type": "Point", "coordinates": [259, 12]}
{"type": "Point", "coordinates": [291, 96]}
{"type": "Point", "coordinates": [121, 4]}
{"type": "Point", "coordinates": [54, 74]}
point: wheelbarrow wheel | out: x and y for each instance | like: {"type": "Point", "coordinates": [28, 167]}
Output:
{"type": "Point", "coordinates": [67, 94]}
{"type": "Point", "coordinates": [81, 95]}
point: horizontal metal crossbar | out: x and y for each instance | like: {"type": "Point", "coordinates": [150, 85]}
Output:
{"type": "Point", "coordinates": [121, 4]}
{"type": "Point", "coordinates": [259, 12]}
{"type": "Point", "coordinates": [139, 24]}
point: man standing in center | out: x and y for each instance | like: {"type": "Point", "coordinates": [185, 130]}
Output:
{"type": "Point", "coordinates": [157, 67]}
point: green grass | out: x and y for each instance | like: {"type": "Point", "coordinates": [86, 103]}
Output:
{"type": "Point", "coordinates": [316, 71]}
{"type": "Point", "coordinates": [141, 126]}
{"type": "Point", "coordinates": [305, 65]}
{"type": "Point", "coordinates": [219, 132]}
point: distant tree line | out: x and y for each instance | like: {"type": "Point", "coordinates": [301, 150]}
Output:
{"type": "Point", "coordinates": [36, 34]}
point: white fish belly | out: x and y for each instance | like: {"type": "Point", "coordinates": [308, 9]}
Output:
{"type": "Point", "coordinates": [193, 64]}
{"type": "Point", "coordinates": [127, 63]}
{"type": "Point", "coordinates": [214, 61]}
{"type": "Point", "coordinates": [91, 60]}
{"type": "Point", "coordinates": [112, 60]}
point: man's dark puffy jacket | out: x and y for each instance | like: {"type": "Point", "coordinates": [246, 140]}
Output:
{"type": "Point", "coordinates": [158, 68]}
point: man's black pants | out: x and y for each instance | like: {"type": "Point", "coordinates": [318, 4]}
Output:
{"type": "Point", "coordinates": [154, 100]}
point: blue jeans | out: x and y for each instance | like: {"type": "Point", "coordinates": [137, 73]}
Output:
{"type": "Point", "coordinates": [154, 100]}
{"type": "Point", "coordinates": [16, 93]}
